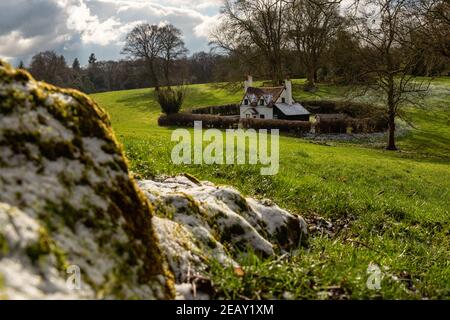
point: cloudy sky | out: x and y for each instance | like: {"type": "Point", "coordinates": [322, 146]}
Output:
{"type": "Point", "coordinates": [76, 28]}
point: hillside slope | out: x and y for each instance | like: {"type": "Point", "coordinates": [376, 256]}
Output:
{"type": "Point", "coordinates": [388, 208]}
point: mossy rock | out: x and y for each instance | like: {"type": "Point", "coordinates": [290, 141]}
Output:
{"type": "Point", "coordinates": [219, 223]}
{"type": "Point", "coordinates": [61, 165]}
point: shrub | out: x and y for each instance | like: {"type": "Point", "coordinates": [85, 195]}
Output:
{"type": "Point", "coordinates": [170, 99]}
{"type": "Point", "coordinates": [332, 126]}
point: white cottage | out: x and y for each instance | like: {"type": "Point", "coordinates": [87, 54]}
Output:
{"type": "Point", "coordinates": [271, 103]}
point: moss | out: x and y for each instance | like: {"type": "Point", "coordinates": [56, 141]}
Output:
{"type": "Point", "coordinates": [228, 234]}
{"type": "Point", "coordinates": [236, 229]}
{"type": "Point", "coordinates": [212, 243]}
{"type": "Point", "coordinates": [49, 223]}
{"type": "Point", "coordinates": [192, 178]}
{"type": "Point", "coordinates": [45, 246]}
{"type": "Point", "coordinates": [61, 259]}
{"type": "Point", "coordinates": [4, 246]}
{"type": "Point", "coordinates": [3, 296]}
{"type": "Point", "coordinates": [192, 207]}
{"type": "Point", "coordinates": [282, 235]}
{"type": "Point", "coordinates": [110, 148]}
{"type": "Point", "coordinates": [212, 219]}
{"type": "Point", "coordinates": [65, 211]}
{"type": "Point", "coordinates": [241, 203]}
{"type": "Point", "coordinates": [2, 281]}
{"type": "Point", "coordinates": [40, 248]}
{"type": "Point", "coordinates": [163, 211]}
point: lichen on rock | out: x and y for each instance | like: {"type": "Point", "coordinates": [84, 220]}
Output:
{"type": "Point", "coordinates": [63, 174]}
{"type": "Point", "coordinates": [209, 222]}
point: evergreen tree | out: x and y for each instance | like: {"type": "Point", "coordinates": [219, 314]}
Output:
{"type": "Point", "coordinates": [92, 60]}
{"type": "Point", "coordinates": [76, 65]}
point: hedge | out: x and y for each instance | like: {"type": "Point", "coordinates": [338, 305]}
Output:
{"type": "Point", "coordinates": [226, 110]}
{"type": "Point", "coordinates": [208, 121]}
{"type": "Point", "coordinates": [352, 109]}
{"type": "Point", "coordinates": [366, 125]}
{"type": "Point", "coordinates": [327, 126]}
{"type": "Point", "coordinates": [331, 126]}
{"type": "Point", "coordinates": [296, 127]}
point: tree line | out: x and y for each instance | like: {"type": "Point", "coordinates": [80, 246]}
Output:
{"type": "Point", "coordinates": [100, 76]}
{"type": "Point", "coordinates": [321, 41]}
{"type": "Point", "coordinates": [271, 39]}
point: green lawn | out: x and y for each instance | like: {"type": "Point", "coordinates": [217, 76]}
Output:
{"type": "Point", "coordinates": [392, 208]}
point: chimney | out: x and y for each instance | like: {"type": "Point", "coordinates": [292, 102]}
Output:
{"type": "Point", "coordinates": [288, 86]}
{"type": "Point", "coordinates": [248, 82]}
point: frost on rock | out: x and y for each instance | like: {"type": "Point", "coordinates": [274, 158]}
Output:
{"type": "Point", "coordinates": [199, 222]}
{"type": "Point", "coordinates": [67, 199]}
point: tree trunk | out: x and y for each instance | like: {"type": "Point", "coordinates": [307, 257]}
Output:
{"type": "Point", "coordinates": [310, 83]}
{"type": "Point", "coordinates": [276, 79]}
{"type": "Point", "coordinates": [277, 74]}
{"type": "Point", "coordinates": [153, 75]}
{"type": "Point", "coordinates": [391, 114]}
{"type": "Point", "coordinates": [166, 72]}
{"type": "Point", "coordinates": [391, 136]}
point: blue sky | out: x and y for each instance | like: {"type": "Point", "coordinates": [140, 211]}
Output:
{"type": "Point", "coordinates": [75, 28]}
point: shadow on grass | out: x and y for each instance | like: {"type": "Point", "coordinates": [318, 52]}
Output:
{"type": "Point", "coordinates": [142, 101]}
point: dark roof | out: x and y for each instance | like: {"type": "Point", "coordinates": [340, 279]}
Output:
{"type": "Point", "coordinates": [275, 92]}
{"type": "Point", "coordinates": [295, 109]}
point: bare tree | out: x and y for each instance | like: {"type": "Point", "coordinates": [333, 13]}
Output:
{"type": "Point", "coordinates": [435, 18]}
{"type": "Point", "coordinates": [384, 28]}
{"type": "Point", "coordinates": [172, 47]}
{"type": "Point", "coordinates": [252, 27]}
{"type": "Point", "coordinates": [312, 25]}
{"type": "Point", "coordinates": [144, 42]}
{"type": "Point", "coordinates": [50, 67]}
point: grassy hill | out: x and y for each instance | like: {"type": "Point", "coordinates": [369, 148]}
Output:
{"type": "Point", "coordinates": [386, 208]}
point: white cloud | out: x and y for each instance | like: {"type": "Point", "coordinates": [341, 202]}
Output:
{"type": "Point", "coordinates": [209, 23]}
{"type": "Point", "coordinates": [90, 27]}
{"type": "Point", "coordinates": [73, 27]}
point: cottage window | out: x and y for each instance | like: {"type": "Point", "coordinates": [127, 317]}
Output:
{"type": "Point", "coordinates": [246, 102]}
{"type": "Point", "coordinates": [261, 116]}
{"type": "Point", "coordinates": [247, 116]}
{"type": "Point", "coordinates": [261, 102]}
{"type": "Point", "coordinates": [283, 100]}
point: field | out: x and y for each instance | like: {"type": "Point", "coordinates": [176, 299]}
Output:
{"type": "Point", "coordinates": [386, 208]}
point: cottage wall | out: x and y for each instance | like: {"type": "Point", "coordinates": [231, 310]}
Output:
{"type": "Point", "coordinates": [267, 112]}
